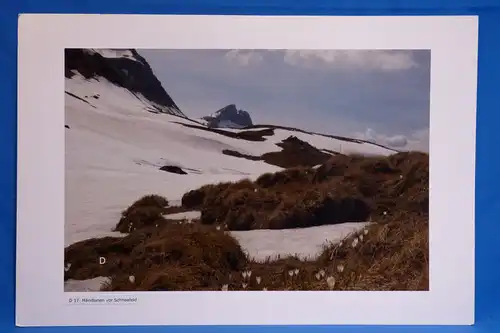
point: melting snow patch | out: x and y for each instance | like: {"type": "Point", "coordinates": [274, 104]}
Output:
{"type": "Point", "coordinates": [85, 285]}
{"type": "Point", "coordinates": [184, 215]}
{"type": "Point", "coordinates": [306, 243]}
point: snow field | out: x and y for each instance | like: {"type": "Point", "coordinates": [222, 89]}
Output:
{"type": "Point", "coordinates": [183, 216]}
{"type": "Point", "coordinates": [306, 243]}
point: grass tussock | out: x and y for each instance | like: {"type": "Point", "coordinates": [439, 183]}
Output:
{"type": "Point", "coordinates": [147, 211]}
{"type": "Point", "coordinates": [151, 255]}
{"type": "Point", "coordinates": [389, 254]}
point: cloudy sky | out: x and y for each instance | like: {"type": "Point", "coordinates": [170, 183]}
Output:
{"type": "Point", "coordinates": [377, 95]}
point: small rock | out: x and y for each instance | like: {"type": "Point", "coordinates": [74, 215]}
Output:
{"type": "Point", "coordinates": [173, 169]}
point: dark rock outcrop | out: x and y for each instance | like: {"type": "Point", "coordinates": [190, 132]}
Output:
{"type": "Point", "coordinates": [173, 169]}
{"type": "Point", "coordinates": [130, 71]}
{"type": "Point", "coordinates": [230, 117]}
{"type": "Point", "coordinates": [294, 153]}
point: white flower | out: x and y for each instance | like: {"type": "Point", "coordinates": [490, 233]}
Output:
{"type": "Point", "coordinates": [290, 273]}
{"type": "Point", "coordinates": [318, 276]}
{"type": "Point", "coordinates": [244, 285]}
{"type": "Point", "coordinates": [131, 278]}
{"type": "Point", "coordinates": [354, 242]}
{"type": "Point", "coordinates": [255, 190]}
{"type": "Point", "coordinates": [385, 212]}
{"type": "Point", "coordinates": [225, 287]}
{"type": "Point", "coordinates": [400, 176]}
{"type": "Point", "coordinates": [258, 279]}
{"type": "Point", "coordinates": [340, 268]}
{"type": "Point", "coordinates": [296, 271]}
{"type": "Point", "coordinates": [365, 231]}
{"type": "Point", "coordinates": [331, 282]}
{"type": "Point", "coordinates": [157, 225]}
{"type": "Point", "coordinates": [360, 238]}
{"type": "Point", "coordinates": [322, 273]}
{"type": "Point", "coordinates": [217, 227]}
{"type": "Point", "coordinates": [246, 274]}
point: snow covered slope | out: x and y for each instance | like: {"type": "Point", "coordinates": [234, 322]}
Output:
{"type": "Point", "coordinates": [125, 68]}
{"type": "Point", "coordinates": [115, 148]}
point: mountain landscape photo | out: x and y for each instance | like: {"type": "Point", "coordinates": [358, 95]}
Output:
{"type": "Point", "coordinates": [222, 170]}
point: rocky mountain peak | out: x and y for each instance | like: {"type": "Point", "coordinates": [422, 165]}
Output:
{"type": "Point", "coordinates": [230, 117]}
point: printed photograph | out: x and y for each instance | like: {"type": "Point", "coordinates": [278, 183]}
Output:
{"type": "Point", "coordinates": [257, 170]}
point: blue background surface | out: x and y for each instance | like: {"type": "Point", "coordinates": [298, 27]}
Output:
{"type": "Point", "coordinates": [488, 139]}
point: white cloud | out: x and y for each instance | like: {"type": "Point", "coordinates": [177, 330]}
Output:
{"type": "Point", "coordinates": [353, 59]}
{"type": "Point", "coordinates": [243, 57]}
{"type": "Point", "coordinates": [418, 140]}
{"type": "Point", "coordinates": [370, 135]}
{"type": "Point", "coordinates": [380, 60]}
{"type": "Point", "coordinates": [397, 141]}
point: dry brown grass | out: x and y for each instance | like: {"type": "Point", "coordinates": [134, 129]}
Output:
{"type": "Point", "coordinates": [391, 255]}
{"type": "Point", "coordinates": [151, 253]}
{"type": "Point", "coordinates": [344, 189]}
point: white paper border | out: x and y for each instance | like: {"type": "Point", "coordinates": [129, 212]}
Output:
{"type": "Point", "coordinates": [40, 299]}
